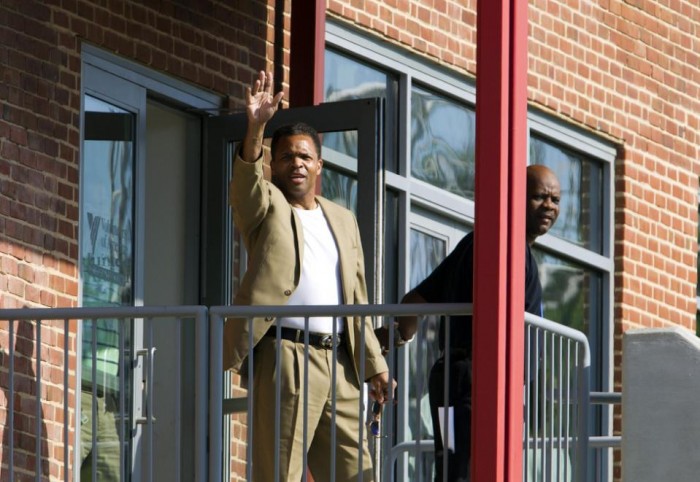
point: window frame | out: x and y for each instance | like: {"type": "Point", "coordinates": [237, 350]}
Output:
{"type": "Point", "coordinates": [412, 70]}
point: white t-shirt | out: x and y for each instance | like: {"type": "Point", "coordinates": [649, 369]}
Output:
{"type": "Point", "coordinates": [320, 273]}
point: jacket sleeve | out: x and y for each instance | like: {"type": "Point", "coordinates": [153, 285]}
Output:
{"type": "Point", "coordinates": [373, 358]}
{"type": "Point", "coordinates": [249, 194]}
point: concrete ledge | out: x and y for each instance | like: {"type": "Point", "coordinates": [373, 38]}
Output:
{"type": "Point", "coordinates": [660, 406]}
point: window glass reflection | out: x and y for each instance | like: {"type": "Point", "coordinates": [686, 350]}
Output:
{"type": "Point", "coordinates": [106, 237]}
{"type": "Point", "coordinates": [426, 254]}
{"type": "Point", "coordinates": [566, 291]}
{"type": "Point", "coordinates": [442, 142]}
{"type": "Point", "coordinates": [580, 211]}
{"type": "Point", "coordinates": [339, 188]}
{"type": "Point", "coordinates": [106, 275]}
{"type": "Point", "coordinates": [107, 195]}
{"type": "Point", "coordinates": [348, 79]}
{"type": "Point", "coordinates": [571, 294]}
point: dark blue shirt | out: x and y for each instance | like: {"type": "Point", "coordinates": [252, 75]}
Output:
{"type": "Point", "coordinates": [452, 282]}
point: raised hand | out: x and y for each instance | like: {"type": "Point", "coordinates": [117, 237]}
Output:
{"type": "Point", "coordinates": [260, 103]}
{"type": "Point", "coordinates": [260, 107]}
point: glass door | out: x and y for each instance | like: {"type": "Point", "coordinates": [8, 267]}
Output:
{"type": "Point", "coordinates": [352, 176]}
{"type": "Point", "coordinates": [107, 273]}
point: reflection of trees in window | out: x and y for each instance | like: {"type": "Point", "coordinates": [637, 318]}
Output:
{"type": "Point", "coordinates": [442, 143]}
{"type": "Point", "coordinates": [366, 90]}
{"type": "Point", "coordinates": [120, 168]}
{"type": "Point", "coordinates": [346, 142]}
{"type": "Point", "coordinates": [568, 291]}
{"type": "Point", "coordinates": [107, 198]}
{"type": "Point", "coordinates": [426, 254]}
{"type": "Point", "coordinates": [591, 222]}
{"type": "Point", "coordinates": [339, 188]}
{"type": "Point", "coordinates": [572, 295]}
{"type": "Point", "coordinates": [107, 266]}
{"type": "Point", "coordinates": [348, 79]}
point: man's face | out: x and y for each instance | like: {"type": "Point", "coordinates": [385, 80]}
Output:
{"type": "Point", "coordinates": [543, 195]}
{"type": "Point", "coordinates": [295, 167]}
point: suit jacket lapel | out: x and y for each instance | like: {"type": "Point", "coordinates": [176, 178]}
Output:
{"type": "Point", "coordinates": [343, 229]}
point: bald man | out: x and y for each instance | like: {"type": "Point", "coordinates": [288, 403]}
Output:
{"type": "Point", "coordinates": [451, 282]}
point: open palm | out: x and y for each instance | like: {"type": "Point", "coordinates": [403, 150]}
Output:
{"type": "Point", "coordinates": [261, 105]}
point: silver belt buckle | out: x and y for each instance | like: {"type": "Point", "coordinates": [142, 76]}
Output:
{"type": "Point", "coordinates": [326, 342]}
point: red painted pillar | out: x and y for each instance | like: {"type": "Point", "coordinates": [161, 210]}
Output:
{"type": "Point", "coordinates": [501, 154]}
{"type": "Point", "coordinates": [306, 61]}
{"type": "Point", "coordinates": [517, 201]}
{"type": "Point", "coordinates": [307, 46]}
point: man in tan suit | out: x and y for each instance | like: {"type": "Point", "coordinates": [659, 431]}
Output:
{"type": "Point", "coordinates": [303, 250]}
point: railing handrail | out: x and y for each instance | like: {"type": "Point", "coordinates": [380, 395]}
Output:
{"type": "Point", "coordinates": [216, 314]}
{"type": "Point", "coordinates": [95, 312]}
{"type": "Point", "coordinates": [417, 309]}
{"type": "Point", "coordinates": [606, 398]}
{"type": "Point", "coordinates": [196, 312]}
{"type": "Point", "coordinates": [563, 330]}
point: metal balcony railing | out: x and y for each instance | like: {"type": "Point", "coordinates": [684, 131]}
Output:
{"type": "Point", "coordinates": [43, 415]}
{"type": "Point", "coordinates": [556, 405]}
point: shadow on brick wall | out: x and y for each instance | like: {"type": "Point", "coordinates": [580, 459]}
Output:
{"type": "Point", "coordinates": [24, 390]}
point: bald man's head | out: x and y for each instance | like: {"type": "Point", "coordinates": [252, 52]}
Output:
{"type": "Point", "coordinates": [543, 194]}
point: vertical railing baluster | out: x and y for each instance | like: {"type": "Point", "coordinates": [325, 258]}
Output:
{"type": "Point", "coordinates": [66, 360]}
{"type": "Point", "coordinates": [11, 404]}
{"type": "Point", "coordinates": [38, 417]}
{"type": "Point", "coordinates": [306, 398]}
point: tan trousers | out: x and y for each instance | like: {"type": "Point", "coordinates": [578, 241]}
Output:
{"type": "Point", "coordinates": [347, 448]}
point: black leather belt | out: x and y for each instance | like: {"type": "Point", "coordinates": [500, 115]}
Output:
{"type": "Point", "coordinates": [321, 340]}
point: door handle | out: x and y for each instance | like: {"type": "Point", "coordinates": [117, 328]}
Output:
{"type": "Point", "coordinates": [149, 358]}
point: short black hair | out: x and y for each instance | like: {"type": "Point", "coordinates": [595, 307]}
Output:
{"type": "Point", "coordinates": [297, 129]}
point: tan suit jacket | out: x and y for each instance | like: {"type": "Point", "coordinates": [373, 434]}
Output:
{"type": "Point", "coordinates": [274, 238]}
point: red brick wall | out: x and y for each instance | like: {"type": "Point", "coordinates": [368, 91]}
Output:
{"type": "Point", "coordinates": [626, 70]}
{"type": "Point", "coordinates": [217, 45]}
{"type": "Point", "coordinates": [444, 30]}
{"type": "Point", "coordinates": [22, 351]}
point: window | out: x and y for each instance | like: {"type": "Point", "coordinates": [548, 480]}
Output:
{"type": "Point", "coordinates": [107, 266]}
{"type": "Point", "coordinates": [442, 142]}
{"type": "Point", "coordinates": [429, 136]}
{"type": "Point", "coordinates": [346, 81]}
